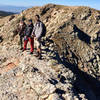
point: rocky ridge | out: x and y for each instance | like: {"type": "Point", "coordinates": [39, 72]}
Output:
{"type": "Point", "coordinates": [70, 69]}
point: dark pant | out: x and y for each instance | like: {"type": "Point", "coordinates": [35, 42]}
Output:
{"type": "Point", "coordinates": [31, 40]}
{"type": "Point", "coordinates": [21, 41]}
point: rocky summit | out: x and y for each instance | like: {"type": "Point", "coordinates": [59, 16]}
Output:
{"type": "Point", "coordinates": [70, 65]}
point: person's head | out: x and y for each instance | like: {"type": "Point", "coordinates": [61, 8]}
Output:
{"type": "Point", "coordinates": [21, 22]}
{"type": "Point", "coordinates": [37, 17]}
{"type": "Point", "coordinates": [30, 21]}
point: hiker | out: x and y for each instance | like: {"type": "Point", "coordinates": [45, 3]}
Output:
{"type": "Point", "coordinates": [28, 36]}
{"type": "Point", "coordinates": [21, 31]}
{"type": "Point", "coordinates": [37, 33]}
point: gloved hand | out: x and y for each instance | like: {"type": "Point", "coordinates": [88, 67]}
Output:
{"type": "Point", "coordinates": [25, 38]}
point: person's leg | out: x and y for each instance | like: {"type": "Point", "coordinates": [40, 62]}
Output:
{"type": "Point", "coordinates": [31, 44]}
{"type": "Point", "coordinates": [25, 44]}
{"type": "Point", "coordinates": [21, 42]}
{"type": "Point", "coordinates": [37, 46]}
{"type": "Point", "coordinates": [38, 49]}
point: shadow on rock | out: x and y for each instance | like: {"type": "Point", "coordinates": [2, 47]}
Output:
{"type": "Point", "coordinates": [82, 35]}
{"type": "Point", "coordinates": [84, 83]}
{"type": "Point", "coordinates": [1, 39]}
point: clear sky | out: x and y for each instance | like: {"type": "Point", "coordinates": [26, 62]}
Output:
{"type": "Point", "coordinates": [28, 3]}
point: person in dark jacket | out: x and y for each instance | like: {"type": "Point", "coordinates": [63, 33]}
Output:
{"type": "Point", "coordinates": [37, 33]}
{"type": "Point", "coordinates": [21, 31]}
{"type": "Point", "coordinates": [28, 36]}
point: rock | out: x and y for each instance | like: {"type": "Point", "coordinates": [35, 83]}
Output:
{"type": "Point", "coordinates": [98, 58]}
{"type": "Point", "coordinates": [52, 62]}
{"type": "Point", "coordinates": [53, 97]}
{"type": "Point", "coordinates": [70, 65]}
{"type": "Point", "coordinates": [99, 66]}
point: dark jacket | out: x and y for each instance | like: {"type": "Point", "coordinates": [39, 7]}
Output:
{"type": "Point", "coordinates": [28, 30]}
{"type": "Point", "coordinates": [21, 29]}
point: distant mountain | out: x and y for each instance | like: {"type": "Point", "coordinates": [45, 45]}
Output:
{"type": "Point", "coordinates": [15, 9]}
{"type": "Point", "coordinates": [3, 13]}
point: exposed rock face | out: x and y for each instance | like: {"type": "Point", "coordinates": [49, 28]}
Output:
{"type": "Point", "coordinates": [70, 69]}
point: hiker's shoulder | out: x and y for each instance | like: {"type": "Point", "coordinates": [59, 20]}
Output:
{"type": "Point", "coordinates": [34, 24]}
{"type": "Point", "coordinates": [24, 23]}
{"type": "Point", "coordinates": [41, 22]}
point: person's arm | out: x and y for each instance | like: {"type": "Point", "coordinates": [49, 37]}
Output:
{"type": "Point", "coordinates": [25, 35]}
{"type": "Point", "coordinates": [33, 31]}
{"type": "Point", "coordinates": [24, 32]}
{"type": "Point", "coordinates": [30, 31]}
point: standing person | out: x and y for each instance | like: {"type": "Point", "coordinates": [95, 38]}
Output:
{"type": "Point", "coordinates": [28, 36]}
{"type": "Point", "coordinates": [21, 31]}
{"type": "Point", "coordinates": [37, 33]}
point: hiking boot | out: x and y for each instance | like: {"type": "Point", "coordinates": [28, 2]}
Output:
{"type": "Point", "coordinates": [21, 48]}
{"type": "Point", "coordinates": [39, 57]}
{"type": "Point", "coordinates": [31, 52]}
{"type": "Point", "coordinates": [37, 54]}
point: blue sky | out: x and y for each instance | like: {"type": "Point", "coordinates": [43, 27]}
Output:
{"type": "Point", "coordinates": [28, 3]}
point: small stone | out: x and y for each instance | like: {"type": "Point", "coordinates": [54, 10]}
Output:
{"type": "Point", "coordinates": [98, 58]}
{"type": "Point", "coordinates": [52, 62]}
{"type": "Point", "coordinates": [53, 97]}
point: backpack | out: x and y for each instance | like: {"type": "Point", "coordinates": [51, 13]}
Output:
{"type": "Point", "coordinates": [44, 30]}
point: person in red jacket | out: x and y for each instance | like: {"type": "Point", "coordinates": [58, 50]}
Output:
{"type": "Point", "coordinates": [28, 36]}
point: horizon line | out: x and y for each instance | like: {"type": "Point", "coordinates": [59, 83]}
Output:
{"type": "Point", "coordinates": [46, 4]}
